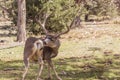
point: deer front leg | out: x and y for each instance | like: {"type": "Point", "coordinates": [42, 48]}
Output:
{"type": "Point", "coordinates": [53, 68]}
{"type": "Point", "coordinates": [49, 71]}
{"type": "Point", "coordinates": [26, 62]}
{"type": "Point", "coordinates": [41, 64]}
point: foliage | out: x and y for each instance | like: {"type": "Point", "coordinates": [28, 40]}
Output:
{"type": "Point", "coordinates": [100, 8]}
{"type": "Point", "coordinates": [10, 7]}
{"type": "Point", "coordinates": [107, 7]}
{"type": "Point", "coordinates": [62, 11]}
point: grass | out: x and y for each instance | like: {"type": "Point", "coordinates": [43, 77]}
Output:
{"type": "Point", "coordinates": [91, 53]}
{"type": "Point", "coordinates": [86, 59]}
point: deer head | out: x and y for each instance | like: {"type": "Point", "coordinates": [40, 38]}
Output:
{"type": "Point", "coordinates": [52, 39]}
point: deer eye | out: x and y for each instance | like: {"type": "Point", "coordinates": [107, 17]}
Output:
{"type": "Point", "coordinates": [51, 39]}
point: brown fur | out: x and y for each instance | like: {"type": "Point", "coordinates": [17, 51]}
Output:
{"type": "Point", "coordinates": [33, 51]}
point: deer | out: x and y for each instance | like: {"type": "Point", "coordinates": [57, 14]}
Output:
{"type": "Point", "coordinates": [52, 42]}
{"type": "Point", "coordinates": [44, 49]}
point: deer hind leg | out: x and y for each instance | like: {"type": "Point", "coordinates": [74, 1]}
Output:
{"type": "Point", "coordinates": [26, 62]}
{"type": "Point", "coordinates": [27, 57]}
{"type": "Point", "coordinates": [41, 64]}
{"type": "Point", "coordinates": [53, 68]}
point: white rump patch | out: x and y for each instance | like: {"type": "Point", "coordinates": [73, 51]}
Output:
{"type": "Point", "coordinates": [38, 44]}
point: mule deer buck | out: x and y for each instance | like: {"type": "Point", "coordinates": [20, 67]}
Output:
{"type": "Point", "coordinates": [35, 47]}
{"type": "Point", "coordinates": [51, 49]}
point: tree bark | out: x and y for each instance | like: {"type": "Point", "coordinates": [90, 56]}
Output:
{"type": "Point", "coordinates": [21, 22]}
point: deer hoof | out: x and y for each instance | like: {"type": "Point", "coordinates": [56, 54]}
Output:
{"type": "Point", "coordinates": [59, 78]}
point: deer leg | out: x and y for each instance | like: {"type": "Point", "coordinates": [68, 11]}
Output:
{"type": "Point", "coordinates": [26, 62]}
{"type": "Point", "coordinates": [49, 71]}
{"type": "Point", "coordinates": [53, 68]}
{"type": "Point", "coordinates": [41, 64]}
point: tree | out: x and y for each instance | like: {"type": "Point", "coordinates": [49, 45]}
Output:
{"type": "Point", "coordinates": [99, 8]}
{"type": "Point", "coordinates": [61, 13]}
{"type": "Point", "coordinates": [21, 23]}
{"type": "Point", "coordinates": [18, 18]}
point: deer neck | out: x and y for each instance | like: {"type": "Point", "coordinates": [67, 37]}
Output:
{"type": "Point", "coordinates": [55, 50]}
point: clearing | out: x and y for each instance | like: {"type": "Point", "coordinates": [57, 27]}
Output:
{"type": "Point", "coordinates": [89, 53]}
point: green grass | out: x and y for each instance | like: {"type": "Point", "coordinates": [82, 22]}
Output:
{"type": "Point", "coordinates": [87, 59]}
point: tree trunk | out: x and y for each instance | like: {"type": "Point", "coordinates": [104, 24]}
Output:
{"type": "Point", "coordinates": [86, 17]}
{"type": "Point", "coordinates": [21, 22]}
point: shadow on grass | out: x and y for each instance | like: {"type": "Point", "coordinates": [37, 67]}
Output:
{"type": "Point", "coordinates": [9, 29]}
{"type": "Point", "coordinates": [73, 68]}
{"type": "Point", "coordinates": [11, 70]}
{"type": "Point", "coordinates": [76, 68]}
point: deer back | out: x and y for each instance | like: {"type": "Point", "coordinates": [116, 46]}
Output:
{"type": "Point", "coordinates": [33, 48]}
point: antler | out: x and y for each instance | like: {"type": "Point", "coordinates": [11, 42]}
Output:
{"type": "Point", "coordinates": [68, 29]}
{"type": "Point", "coordinates": [44, 22]}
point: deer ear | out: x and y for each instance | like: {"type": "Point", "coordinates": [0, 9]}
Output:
{"type": "Point", "coordinates": [57, 36]}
